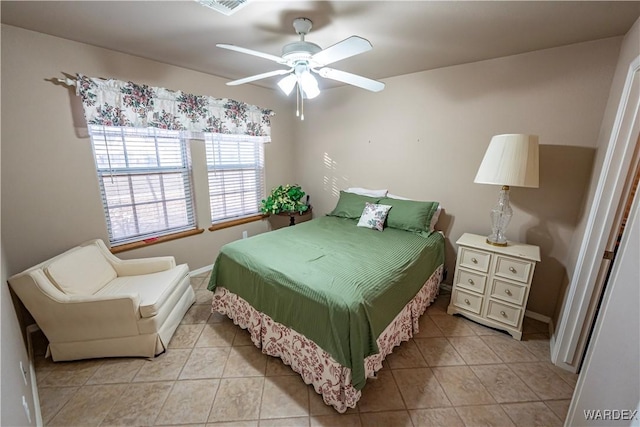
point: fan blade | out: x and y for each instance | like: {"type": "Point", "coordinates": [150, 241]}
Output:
{"type": "Point", "coordinates": [253, 52]}
{"type": "Point", "coordinates": [352, 79]}
{"type": "Point", "coordinates": [258, 77]}
{"type": "Point", "coordinates": [354, 45]}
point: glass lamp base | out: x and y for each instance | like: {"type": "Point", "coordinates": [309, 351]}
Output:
{"type": "Point", "coordinates": [500, 218]}
{"type": "Point", "coordinates": [494, 242]}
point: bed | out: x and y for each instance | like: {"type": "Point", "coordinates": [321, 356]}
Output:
{"type": "Point", "coordinates": [329, 298]}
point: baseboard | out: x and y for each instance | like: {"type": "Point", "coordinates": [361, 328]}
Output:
{"type": "Point", "coordinates": [445, 287]}
{"type": "Point", "coordinates": [552, 342]}
{"type": "Point", "coordinates": [201, 270]}
{"type": "Point", "coordinates": [32, 374]}
{"type": "Point", "coordinates": [537, 316]}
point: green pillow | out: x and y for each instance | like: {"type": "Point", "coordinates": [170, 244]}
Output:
{"type": "Point", "coordinates": [351, 205]}
{"type": "Point", "coordinates": [409, 215]}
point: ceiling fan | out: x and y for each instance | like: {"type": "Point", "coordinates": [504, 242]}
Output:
{"type": "Point", "coordinates": [304, 58]}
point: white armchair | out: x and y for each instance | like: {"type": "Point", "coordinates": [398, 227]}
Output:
{"type": "Point", "coordinates": [89, 303]}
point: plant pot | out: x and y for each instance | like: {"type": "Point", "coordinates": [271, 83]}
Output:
{"type": "Point", "coordinates": [286, 219]}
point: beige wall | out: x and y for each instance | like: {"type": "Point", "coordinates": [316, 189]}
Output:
{"type": "Point", "coordinates": [425, 134]}
{"type": "Point", "coordinates": [50, 197]}
{"type": "Point", "coordinates": [13, 351]}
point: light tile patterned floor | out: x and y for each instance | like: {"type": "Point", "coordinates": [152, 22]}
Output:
{"type": "Point", "coordinates": [453, 373]}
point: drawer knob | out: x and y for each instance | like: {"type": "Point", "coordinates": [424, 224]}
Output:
{"type": "Point", "coordinates": [507, 291]}
{"type": "Point", "coordinates": [473, 260]}
{"type": "Point", "coordinates": [511, 269]}
{"type": "Point", "coordinates": [503, 313]}
{"type": "Point", "coordinates": [466, 300]}
{"type": "Point", "coordinates": [471, 281]}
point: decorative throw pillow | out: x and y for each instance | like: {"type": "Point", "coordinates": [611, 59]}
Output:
{"type": "Point", "coordinates": [434, 218]}
{"type": "Point", "coordinates": [350, 205]}
{"type": "Point", "coordinates": [373, 216]}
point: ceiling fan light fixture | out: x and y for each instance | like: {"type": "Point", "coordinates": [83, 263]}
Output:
{"type": "Point", "coordinates": [304, 57]}
{"type": "Point", "coordinates": [309, 84]}
{"type": "Point", "coordinates": [288, 83]}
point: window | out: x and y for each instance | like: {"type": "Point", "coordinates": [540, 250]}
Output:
{"type": "Point", "coordinates": [145, 182]}
{"type": "Point", "coordinates": [236, 175]}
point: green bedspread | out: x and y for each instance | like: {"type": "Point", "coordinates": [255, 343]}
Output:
{"type": "Point", "coordinates": [338, 284]}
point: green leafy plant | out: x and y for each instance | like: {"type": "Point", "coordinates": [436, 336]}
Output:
{"type": "Point", "coordinates": [284, 198]}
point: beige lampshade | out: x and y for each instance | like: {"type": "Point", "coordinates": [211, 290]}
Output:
{"type": "Point", "coordinates": [511, 159]}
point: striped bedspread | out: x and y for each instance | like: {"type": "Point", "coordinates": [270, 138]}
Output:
{"type": "Point", "coordinates": [337, 284]}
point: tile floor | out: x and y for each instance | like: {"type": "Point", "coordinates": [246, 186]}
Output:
{"type": "Point", "coordinates": [453, 373]}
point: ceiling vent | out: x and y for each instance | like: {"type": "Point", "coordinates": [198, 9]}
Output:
{"type": "Point", "coordinates": [226, 7]}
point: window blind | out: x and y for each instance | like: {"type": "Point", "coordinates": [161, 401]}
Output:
{"type": "Point", "coordinates": [145, 182]}
{"type": "Point", "coordinates": [236, 175]}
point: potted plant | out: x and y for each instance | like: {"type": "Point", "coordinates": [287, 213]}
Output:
{"type": "Point", "coordinates": [284, 206]}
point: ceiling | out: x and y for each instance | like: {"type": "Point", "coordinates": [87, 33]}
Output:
{"type": "Point", "coordinates": [407, 36]}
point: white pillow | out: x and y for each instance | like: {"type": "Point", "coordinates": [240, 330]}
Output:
{"type": "Point", "coordinates": [393, 196]}
{"type": "Point", "coordinates": [367, 192]}
{"type": "Point", "coordinates": [373, 216]}
{"type": "Point", "coordinates": [434, 218]}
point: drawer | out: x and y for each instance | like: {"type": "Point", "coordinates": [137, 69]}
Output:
{"type": "Point", "coordinates": [472, 281]}
{"type": "Point", "coordinates": [507, 291]}
{"type": "Point", "coordinates": [474, 260]}
{"type": "Point", "coordinates": [503, 313]}
{"type": "Point", "coordinates": [467, 301]}
{"type": "Point", "coordinates": [513, 269]}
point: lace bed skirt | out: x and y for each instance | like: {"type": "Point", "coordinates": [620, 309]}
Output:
{"type": "Point", "coordinates": [316, 366]}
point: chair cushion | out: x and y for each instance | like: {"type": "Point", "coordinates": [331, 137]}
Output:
{"type": "Point", "coordinates": [81, 272]}
{"type": "Point", "coordinates": [154, 289]}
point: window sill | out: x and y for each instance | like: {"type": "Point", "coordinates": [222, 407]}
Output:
{"type": "Point", "coordinates": [155, 240]}
{"type": "Point", "coordinates": [234, 222]}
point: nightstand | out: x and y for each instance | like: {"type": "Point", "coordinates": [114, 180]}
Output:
{"type": "Point", "coordinates": [281, 220]}
{"type": "Point", "coordinates": [491, 283]}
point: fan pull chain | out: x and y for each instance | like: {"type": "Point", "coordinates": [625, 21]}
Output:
{"type": "Point", "coordinates": [297, 101]}
{"type": "Point", "coordinates": [301, 103]}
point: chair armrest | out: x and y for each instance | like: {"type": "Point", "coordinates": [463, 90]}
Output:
{"type": "Point", "coordinates": [135, 267]}
{"type": "Point", "coordinates": [94, 317]}
{"type": "Point", "coordinates": [91, 318]}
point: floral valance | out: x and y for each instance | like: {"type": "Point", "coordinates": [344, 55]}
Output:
{"type": "Point", "coordinates": [118, 103]}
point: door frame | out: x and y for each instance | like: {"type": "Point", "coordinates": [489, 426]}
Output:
{"type": "Point", "coordinates": [568, 342]}
{"type": "Point", "coordinates": [607, 381]}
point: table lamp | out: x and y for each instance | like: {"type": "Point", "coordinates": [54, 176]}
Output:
{"type": "Point", "coordinates": [510, 160]}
